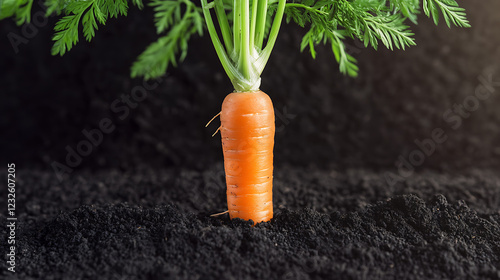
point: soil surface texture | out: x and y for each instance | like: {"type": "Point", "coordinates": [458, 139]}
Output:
{"type": "Point", "coordinates": [327, 226]}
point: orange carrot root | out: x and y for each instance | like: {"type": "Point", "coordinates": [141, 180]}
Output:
{"type": "Point", "coordinates": [247, 130]}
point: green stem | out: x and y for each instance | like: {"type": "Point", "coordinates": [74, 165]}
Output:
{"type": "Point", "coordinates": [254, 22]}
{"type": "Point", "coordinates": [237, 25]}
{"type": "Point", "coordinates": [273, 35]}
{"type": "Point", "coordinates": [224, 25]}
{"type": "Point", "coordinates": [261, 24]}
{"type": "Point", "coordinates": [244, 62]}
{"type": "Point", "coordinates": [219, 48]}
{"type": "Point", "coordinates": [239, 60]}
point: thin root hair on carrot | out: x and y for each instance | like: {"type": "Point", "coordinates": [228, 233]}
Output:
{"type": "Point", "coordinates": [212, 119]}
{"type": "Point", "coordinates": [218, 214]}
{"type": "Point", "coordinates": [216, 131]}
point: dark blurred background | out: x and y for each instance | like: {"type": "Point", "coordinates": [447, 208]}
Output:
{"type": "Point", "coordinates": [325, 119]}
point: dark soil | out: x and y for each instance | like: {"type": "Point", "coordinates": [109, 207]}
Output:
{"type": "Point", "coordinates": [139, 205]}
{"type": "Point", "coordinates": [338, 122]}
{"type": "Point", "coordinates": [156, 225]}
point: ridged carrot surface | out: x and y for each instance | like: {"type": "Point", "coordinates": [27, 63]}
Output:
{"type": "Point", "coordinates": [247, 130]}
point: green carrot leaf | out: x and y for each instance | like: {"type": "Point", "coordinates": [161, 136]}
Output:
{"type": "Point", "coordinates": [390, 30]}
{"type": "Point", "coordinates": [89, 14]}
{"type": "Point", "coordinates": [450, 10]}
{"type": "Point", "coordinates": [370, 21]}
{"type": "Point", "coordinates": [171, 48]}
{"type": "Point", "coordinates": [408, 8]}
{"type": "Point", "coordinates": [347, 63]}
{"type": "Point", "coordinates": [19, 9]}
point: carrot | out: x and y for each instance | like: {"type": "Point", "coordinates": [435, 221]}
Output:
{"type": "Point", "coordinates": [247, 130]}
{"type": "Point", "coordinates": [247, 114]}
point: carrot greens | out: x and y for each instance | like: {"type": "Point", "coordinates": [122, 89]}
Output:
{"type": "Point", "coordinates": [244, 32]}
{"type": "Point", "coordinates": [179, 20]}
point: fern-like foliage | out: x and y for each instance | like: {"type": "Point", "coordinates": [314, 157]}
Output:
{"type": "Point", "coordinates": [450, 10]}
{"type": "Point", "coordinates": [347, 63]}
{"type": "Point", "coordinates": [370, 21]}
{"type": "Point", "coordinates": [390, 30]}
{"type": "Point", "coordinates": [182, 19]}
{"type": "Point", "coordinates": [332, 22]}
{"type": "Point", "coordinates": [18, 9]}
{"type": "Point", "coordinates": [89, 13]}
{"type": "Point", "coordinates": [408, 8]}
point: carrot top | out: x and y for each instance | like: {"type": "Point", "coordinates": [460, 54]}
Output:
{"type": "Point", "coordinates": [244, 57]}
{"type": "Point", "coordinates": [248, 28]}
